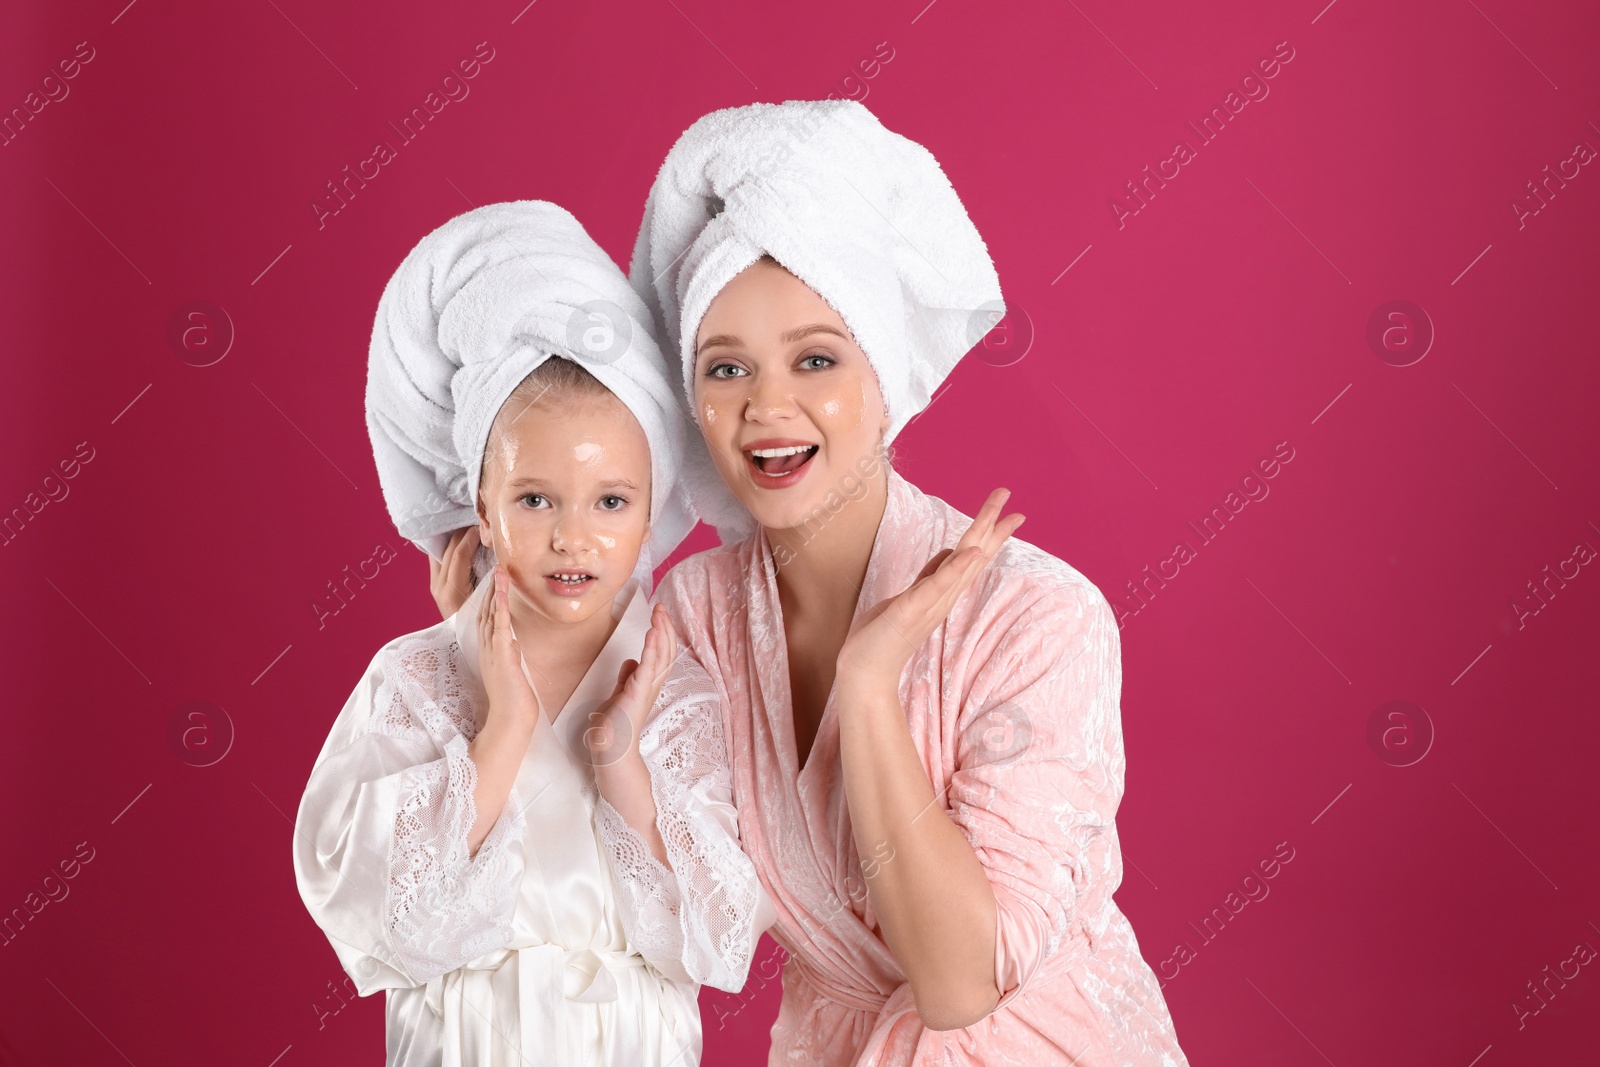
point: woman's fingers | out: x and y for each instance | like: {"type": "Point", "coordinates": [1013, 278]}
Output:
{"type": "Point", "coordinates": [450, 577]}
{"type": "Point", "coordinates": [933, 564]}
{"type": "Point", "coordinates": [952, 570]}
{"type": "Point", "coordinates": [951, 580]}
{"type": "Point", "coordinates": [463, 547]}
{"type": "Point", "coordinates": [1002, 530]}
{"type": "Point", "coordinates": [984, 521]}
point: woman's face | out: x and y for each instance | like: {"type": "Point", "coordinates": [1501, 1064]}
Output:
{"type": "Point", "coordinates": [789, 406]}
{"type": "Point", "coordinates": [565, 502]}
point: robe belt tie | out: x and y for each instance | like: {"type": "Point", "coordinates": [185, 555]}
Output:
{"type": "Point", "coordinates": [509, 1009]}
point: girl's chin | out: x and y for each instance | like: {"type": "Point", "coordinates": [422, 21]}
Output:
{"type": "Point", "coordinates": [564, 611]}
{"type": "Point", "coordinates": [564, 608]}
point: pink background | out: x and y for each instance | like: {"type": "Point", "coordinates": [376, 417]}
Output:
{"type": "Point", "coordinates": [1168, 356]}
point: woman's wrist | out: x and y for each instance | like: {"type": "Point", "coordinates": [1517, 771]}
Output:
{"type": "Point", "coordinates": [856, 684]}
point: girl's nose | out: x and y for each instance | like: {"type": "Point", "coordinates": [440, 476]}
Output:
{"type": "Point", "coordinates": [571, 533]}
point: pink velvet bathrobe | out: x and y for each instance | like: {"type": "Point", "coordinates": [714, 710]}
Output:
{"type": "Point", "coordinates": [1013, 706]}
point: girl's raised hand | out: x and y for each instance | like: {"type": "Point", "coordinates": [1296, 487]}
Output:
{"type": "Point", "coordinates": [613, 733]}
{"type": "Point", "coordinates": [500, 659]}
{"type": "Point", "coordinates": [882, 641]}
{"type": "Point", "coordinates": [450, 579]}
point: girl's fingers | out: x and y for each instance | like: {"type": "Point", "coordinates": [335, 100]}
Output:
{"type": "Point", "coordinates": [671, 655]}
{"type": "Point", "coordinates": [501, 630]}
{"type": "Point", "coordinates": [650, 653]}
{"type": "Point", "coordinates": [625, 675]}
{"type": "Point", "coordinates": [486, 608]}
{"type": "Point", "coordinates": [483, 610]}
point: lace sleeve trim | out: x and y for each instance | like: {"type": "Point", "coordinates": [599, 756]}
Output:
{"type": "Point", "coordinates": [444, 906]}
{"type": "Point", "coordinates": [710, 888]}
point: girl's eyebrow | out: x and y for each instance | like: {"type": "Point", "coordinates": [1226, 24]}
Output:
{"type": "Point", "coordinates": [533, 480]}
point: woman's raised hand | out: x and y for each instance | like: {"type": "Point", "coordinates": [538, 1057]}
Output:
{"type": "Point", "coordinates": [500, 660]}
{"type": "Point", "coordinates": [450, 579]}
{"type": "Point", "coordinates": [881, 642]}
{"type": "Point", "coordinates": [613, 732]}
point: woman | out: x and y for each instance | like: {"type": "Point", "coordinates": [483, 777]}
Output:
{"type": "Point", "coordinates": [922, 714]}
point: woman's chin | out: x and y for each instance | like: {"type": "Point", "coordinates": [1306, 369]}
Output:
{"type": "Point", "coordinates": [783, 509]}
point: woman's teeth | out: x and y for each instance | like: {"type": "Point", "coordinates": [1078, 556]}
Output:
{"type": "Point", "coordinates": [781, 460]}
{"type": "Point", "coordinates": [571, 579]}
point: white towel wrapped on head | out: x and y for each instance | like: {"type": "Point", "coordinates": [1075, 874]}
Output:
{"type": "Point", "coordinates": [472, 310]}
{"type": "Point", "coordinates": [863, 216]}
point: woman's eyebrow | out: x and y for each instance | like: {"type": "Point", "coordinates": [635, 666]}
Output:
{"type": "Point", "coordinates": [789, 337]}
{"type": "Point", "coordinates": [721, 340]}
{"type": "Point", "coordinates": [802, 332]}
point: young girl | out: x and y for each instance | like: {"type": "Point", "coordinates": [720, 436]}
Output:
{"type": "Point", "coordinates": [522, 835]}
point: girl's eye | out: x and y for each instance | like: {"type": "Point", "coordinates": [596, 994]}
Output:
{"type": "Point", "coordinates": [536, 500]}
{"type": "Point", "coordinates": [716, 369]}
{"type": "Point", "coordinates": [613, 503]}
{"type": "Point", "coordinates": [825, 361]}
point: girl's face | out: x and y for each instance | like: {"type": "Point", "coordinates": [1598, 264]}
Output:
{"type": "Point", "coordinates": [789, 406]}
{"type": "Point", "coordinates": [565, 502]}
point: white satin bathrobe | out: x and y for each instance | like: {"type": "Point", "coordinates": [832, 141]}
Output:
{"type": "Point", "coordinates": [563, 940]}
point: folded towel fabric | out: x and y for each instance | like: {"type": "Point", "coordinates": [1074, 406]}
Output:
{"type": "Point", "coordinates": [862, 215]}
{"type": "Point", "coordinates": [472, 310]}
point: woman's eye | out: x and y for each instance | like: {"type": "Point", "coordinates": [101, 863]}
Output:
{"type": "Point", "coordinates": [821, 361]}
{"type": "Point", "coordinates": [533, 500]}
{"type": "Point", "coordinates": [716, 369]}
{"type": "Point", "coordinates": [613, 503]}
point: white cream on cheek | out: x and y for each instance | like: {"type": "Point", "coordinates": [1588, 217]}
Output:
{"type": "Point", "coordinates": [505, 548]}
{"type": "Point", "coordinates": [725, 452]}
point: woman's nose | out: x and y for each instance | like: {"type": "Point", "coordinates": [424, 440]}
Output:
{"type": "Point", "coordinates": [769, 397]}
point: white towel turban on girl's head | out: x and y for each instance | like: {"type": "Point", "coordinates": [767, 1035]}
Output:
{"type": "Point", "coordinates": [472, 310]}
{"type": "Point", "coordinates": [863, 216]}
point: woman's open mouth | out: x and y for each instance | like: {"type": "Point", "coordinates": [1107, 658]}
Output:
{"type": "Point", "coordinates": [569, 583]}
{"type": "Point", "coordinates": [778, 465]}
